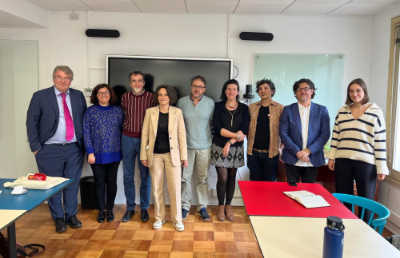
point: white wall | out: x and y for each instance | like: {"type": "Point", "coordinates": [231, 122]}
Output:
{"type": "Point", "coordinates": [389, 192]}
{"type": "Point", "coordinates": [18, 81]}
{"type": "Point", "coordinates": [192, 35]}
{"type": "Point", "coordinates": [304, 35]}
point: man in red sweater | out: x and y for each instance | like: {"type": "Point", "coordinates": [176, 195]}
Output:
{"type": "Point", "coordinates": [134, 104]}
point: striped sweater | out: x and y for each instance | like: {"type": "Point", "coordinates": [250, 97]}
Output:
{"type": "Point", "coordinates": [362, 139]}
{"type": "Point", "coordinates": [134, 107]}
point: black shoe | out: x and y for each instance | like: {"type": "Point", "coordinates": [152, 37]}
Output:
{"type": "Point", "coordinates": [110, 215]}
{"type": "Point", "coordinates": [204, 215]}
{"type": "Point", "coordinates": [60, 225]}
{"type": "Point", "coordinates": [128, 215]}
{"type": "Point", "coordinates": [144, 215]}
{"type": "Point", "coordinates": [73, 222]}
{"type": "Point", "coordinates": [184, 214]}
{"type": "Point", "coordinates": [101, 216]}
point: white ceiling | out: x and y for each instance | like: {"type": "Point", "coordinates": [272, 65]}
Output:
{"type": "Point", "coordinates": [282, 7]}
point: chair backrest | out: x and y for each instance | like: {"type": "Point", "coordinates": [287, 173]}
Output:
{"type": "Point", "coordinates": [376, 208]}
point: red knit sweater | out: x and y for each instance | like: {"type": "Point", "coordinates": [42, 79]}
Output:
{"type": "Point", "coordinates": [135, 108]}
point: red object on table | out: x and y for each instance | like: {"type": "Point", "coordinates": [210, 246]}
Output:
{"type": "Point", "coordinates": [37, 176]}
{"type": "Point", "coordinates": [268, 199]}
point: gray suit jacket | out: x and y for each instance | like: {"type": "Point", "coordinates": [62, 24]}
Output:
{"type": "Point", "coordinates": [43, 115]}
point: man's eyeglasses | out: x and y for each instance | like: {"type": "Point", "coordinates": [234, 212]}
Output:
{"type": "Point", "coordinates": [198, 87]}
{"type": "Point", "coordinates": [106, 93]}
{"type": "Point", "coordinates": [59, 78]}
{"type": "Point", "coordinates": [306, 89]}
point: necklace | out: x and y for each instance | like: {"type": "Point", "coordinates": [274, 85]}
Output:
{"type": "Point", "coordinates": [231, 106]}
{"type": "Point", "coordinates": [232, 116]}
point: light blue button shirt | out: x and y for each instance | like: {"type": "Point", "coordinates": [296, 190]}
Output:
{"type": "Point", "coordinates": [59, 136]}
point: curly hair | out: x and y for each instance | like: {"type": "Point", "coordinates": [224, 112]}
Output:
{"type": "Point", "coordinates": [271, 85]}
{"type": "Point", "coordinates": [93, 97]}
{"type": "Point", "coordinates": [310, 84]}
{"type": "Point", "coordinates": [171, 92]}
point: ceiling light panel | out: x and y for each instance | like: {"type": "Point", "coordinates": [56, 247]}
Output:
{"type": "Point", "coordinates": [161, 6]}
{"type": "Point", "coordinates": [207, 7]}
{"type": "Point", "coordinates": [111, 5]}
{"type": "Point", "coordinates": [62, 5]}
{"type": "Point", "coordinates": [260, 8]}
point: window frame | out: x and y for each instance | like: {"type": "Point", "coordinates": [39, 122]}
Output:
{"type": "Point", "coordinates": [392, 98]}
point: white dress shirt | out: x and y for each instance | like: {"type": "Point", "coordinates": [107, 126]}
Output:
{"type": "Point", "coordinates": [305, 117]}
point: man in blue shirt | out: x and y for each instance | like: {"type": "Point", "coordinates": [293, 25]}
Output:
{"type": "Point", "coordinates": [55, 134]}
{"type": "Point", "coordinates": [197, 112]}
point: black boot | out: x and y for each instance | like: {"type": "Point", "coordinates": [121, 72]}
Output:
{"type": "Point", "coordinates": [101, 216]}
{"type": "Point", "coordinates": [110, 215]}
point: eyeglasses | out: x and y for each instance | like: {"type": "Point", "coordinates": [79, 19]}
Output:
{"type": "Point", "coordinates": [59, 78]}
{"type": "Point", "coordinates": [106, 93]}
{"type": "Point", "coordinates": [306, 89]}
{"type": "Point", "coordinates": [355, 91]}
{"type": "Point", "coordinates": [198, 87]}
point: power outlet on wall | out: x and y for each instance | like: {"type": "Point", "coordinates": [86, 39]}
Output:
{"type": "Point", "coordinates": [87, 92]}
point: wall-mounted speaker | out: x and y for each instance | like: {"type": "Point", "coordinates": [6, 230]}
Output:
{"type": "Point", "coordinates": [92, 33]}
{"type": "Point", "coordinates": [257, 36]}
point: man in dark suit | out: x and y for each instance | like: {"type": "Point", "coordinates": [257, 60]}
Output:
{"type": "Point", "coordinates": [54, 126]}
{"type": "Point", "coordinates": [304, 130]}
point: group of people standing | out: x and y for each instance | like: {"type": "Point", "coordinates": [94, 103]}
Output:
{"type": "Point", "coordinates": [172, 143]}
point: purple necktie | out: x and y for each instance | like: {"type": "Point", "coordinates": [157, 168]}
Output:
{"type": "Point", "coordinates": [68, 120]}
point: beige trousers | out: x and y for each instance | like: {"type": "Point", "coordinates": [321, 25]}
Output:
{"type": "Point", "coordinates": [199, 162]}
{"type": "Point", "coordinates": [161, 163]}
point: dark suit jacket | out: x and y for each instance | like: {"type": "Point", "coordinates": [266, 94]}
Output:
{"type": "Point", "coordinates": [291, 135]}
{"type": "Point", "coordinates": [43, 115]}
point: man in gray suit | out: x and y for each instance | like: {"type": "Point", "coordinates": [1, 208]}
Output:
{"type": "Point", "coordinates": [54, 126]}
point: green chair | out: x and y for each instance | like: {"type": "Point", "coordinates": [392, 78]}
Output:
{"type": "Point", "coordinates": [376, 208]}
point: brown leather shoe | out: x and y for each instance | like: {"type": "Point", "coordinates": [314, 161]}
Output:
{"type": "Point", "coordinates": [229, 213]}
{"type": "Point", "coordinates": [221, 213]}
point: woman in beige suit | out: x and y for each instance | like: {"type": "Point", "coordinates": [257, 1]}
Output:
{"type": "Point", "coordinates": [164, 149]}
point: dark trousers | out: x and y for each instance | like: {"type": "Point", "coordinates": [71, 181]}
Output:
{"type": "Point", "coordinates": [346, 171]}
{"type": "Point", "coordinates": [62, 161]}
{"type": "Point", "coordinates": [307, 174]}
{"type": "Point", "coordinates": [105, 174]}
{"type": "Point", "coordinates": [262, 168]}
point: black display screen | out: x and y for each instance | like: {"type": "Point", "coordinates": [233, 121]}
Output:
{"type": "Point", "coordinates": [171, 71]}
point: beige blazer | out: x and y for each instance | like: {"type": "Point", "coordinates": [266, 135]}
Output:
{"type": "Point", "coordinates": [176, 131]}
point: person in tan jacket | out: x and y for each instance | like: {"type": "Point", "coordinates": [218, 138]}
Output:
{"type": "Point", "coordinates": [164, 148]}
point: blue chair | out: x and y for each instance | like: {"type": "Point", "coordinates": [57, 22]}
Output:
{"type": "Point", "coordinates": [376, 208]}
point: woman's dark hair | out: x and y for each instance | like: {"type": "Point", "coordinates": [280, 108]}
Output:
{"type": "Point", "coordinates": [171, 92]}
{"type": "Point", "coordinates": [271, 85]}
{"type": "Point", "coordinates": [93, 97]}
{"type": "Point", "coordinates": [310, 84]}
{"type": "Point", "coordinates": [363, 86]}
{"type": "Point", "coordinates": [223, 95]}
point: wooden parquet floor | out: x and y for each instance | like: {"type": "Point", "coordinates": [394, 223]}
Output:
{"type": "Point", "coordinates": [138, 239]}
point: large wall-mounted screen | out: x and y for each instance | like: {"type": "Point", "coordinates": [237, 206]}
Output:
{"type": "Point", "coordinates": [173, 71]}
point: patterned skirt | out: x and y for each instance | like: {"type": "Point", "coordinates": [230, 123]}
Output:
{"type": "Point", "coordinates": [235, 158]}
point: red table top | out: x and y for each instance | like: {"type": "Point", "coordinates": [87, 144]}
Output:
{"type": "Point", "coordinates": [268, 199]}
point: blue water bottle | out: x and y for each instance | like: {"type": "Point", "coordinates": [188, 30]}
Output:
{"type": "Point", "coordinates": [333, 238]}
